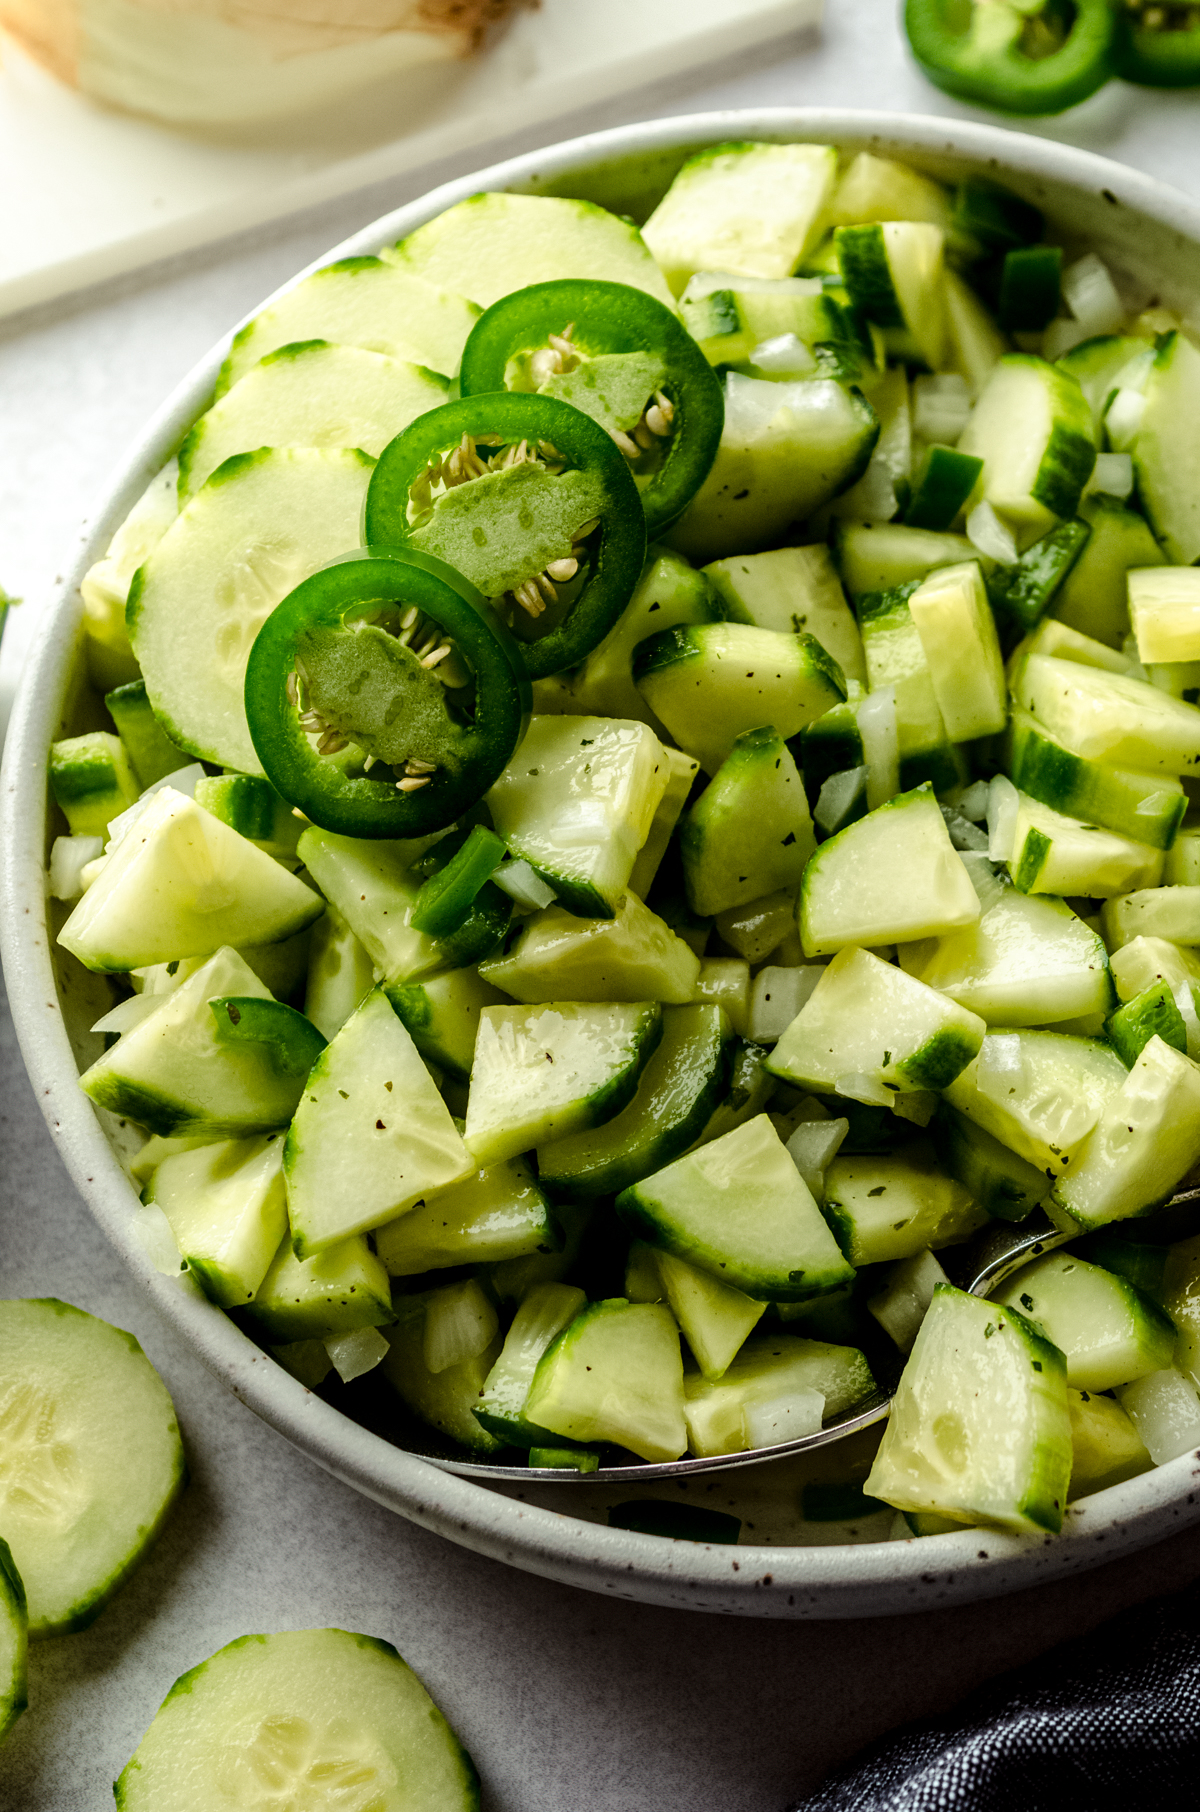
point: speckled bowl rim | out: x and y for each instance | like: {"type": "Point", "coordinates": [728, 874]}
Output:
{"type": "Point", "coordinates": [826, 1582]}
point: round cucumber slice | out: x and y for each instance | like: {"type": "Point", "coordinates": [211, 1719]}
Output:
{"type": "Point", "coordinates": [92, 1460]}
{"type": "Point", "coordinates": [322, 1719]}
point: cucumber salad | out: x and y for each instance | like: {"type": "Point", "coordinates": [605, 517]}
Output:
{"type": "Point", "coordinates": [647, 791]}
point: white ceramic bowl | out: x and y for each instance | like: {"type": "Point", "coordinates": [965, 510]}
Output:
{"type": "Point", "coordinates": [1147, 230]}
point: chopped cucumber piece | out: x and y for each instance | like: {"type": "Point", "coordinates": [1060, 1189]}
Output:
{"type": "Point", "coordinates": [251, 806]}
{"type": "Point", "coordinates": [738, 1209]}
{"type": "Point", "coordinates": [1146, 1137]}
{"type": "Point", "coordinates": [893, 274]}
{"type": "Point", "coordinates": [683, 771]}
{"type": "Point", "coordinates": [676, 1096]}
{"type": "Point", "coordinates": [1092, 597]}
{"type": "Point", "coordinates": [494, 243]}
{"type": "Point", "coordinates": [1144, 807]}
{"type": "Point", "coordinates": [695, 680]}
{"type": "Point", "coordinates": [750, 208]}
{"type": "Point", "coordinates": [1027, 961]}
{"type": "Point", "coordinates": [92, 781]}
{"type": "Point", "coordinates": [979, 1429]}
{"type": "Point", "coordinates": [879, 556]}
{"type": "Point", "coordinates": [976, 343]}
{"type": "Point", "coordinates": [714, 1318]}
{"type": "Point", "coordinates": [1106, 1448]}
{"type": "Point", "coordinates": [577, 802]}
{"type": "Point", "coordinates": [724, 981]}
{"type": "Point", "coordinates": [1039, 1093]}
{"type": "Point", "coordinates": [93, 1462]}
{"type": "Point", "coordinates": [1054, 854]}
{"type": "Point", "coordinates": [778, 994]}
{"type": "Point", "coordinates": [1030, 288]}
{"type": "Point", "coordinates": [199, 601]}
{"type": "Point", "coordinates": [343, 1288]}
{"type": "Point", "coordinates": [14, 1640]}
{"type": "Point", "coordinates": [316, 1714]}
{"type": "Point", "coordinates": [893, 876]}
{"type": "Point", "coordinates": [1107, 1331]}
{"type": "Point", "coordinates": [941, 487]}
{"type": "Point", "coordinates": [885, 483]}
{"type": "Point", "coordinates": [173, 1073]}
{"type": "Point", "coordinates": [614, 1374]}
{"type": "Point", "coordinates": [780, 1386]}
{"type": "Point", "coordinates": [340, 973]}
{"type": "Point", "coordinates": [359, 302]}
{"type": "Point", "coordinates": [1165, 1409]}
{"type": "Point", "coordinates": [544, 1072]}
{"type": "Point", "coordinates": [1148, 960]}
{"type": "Point", "coordinates": [786, 449]}
{"type": "Point", "coordinates": [750, 832]}
{"type": "Point", "coordinates": [1033, 430]}
{"type": "Point", "coordinates": [1176, 1284]}
{"type": "Point", "coordinates": [445, 1400]}
{"type": "Point", "coordinates": [1096, 363]}
{"type": "Point", "coordinates": [888, 1208]}
{"type": "Point", "coordinates": [958, 635]}
{"type": "Point", "coordinates": [371, 1134]}
{"type": "Point", "coordinates": [1006, 1186]}
{"type": "Point", "coordinates": [227, 1208]}
{"type": "Point", "coordinates": [902, 1304]}
{"type": "Point", "coordinates": [313, 394]}
{"type": "Point", "coordinates": [1182, 866]}
{"type": "Point", "coordinates": [1108, 717]}
{"type": "Point", "coordinates": [868, 1019]}
{"type": "Point", "coordinates": [878, 188]}
{"type": "Point", "coordinates": [791, 589]}
{"type": "Point", "coordinates": [497, 1214]}
{"type": "Point", "coordinates": [1172, 913]}
{"type": "Point", "coordinates": [1164, 609]}
{"type": "Point", "coordinates": [760, 926]}
{"type": "Point", "coordinates": [543, 1314]}
{"type": "Point", "coordinates": [750, 1088]}
{"type": "Point", "coordinates": [441, 1016]}
{"type": "Point", "coordinates": [1055, 637]}
{"type": "Point", "coordinates": [1151, 1013]}
{"type": "Point", "coordinates": [897, 662]}
{"type": "Point", "coordinates": [1166, 449]}
{"type": "Point", "coordinates": [631, 956]}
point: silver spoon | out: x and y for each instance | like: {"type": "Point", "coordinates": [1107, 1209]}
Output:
{"type": "Point", "coordinates": [979, 1266]}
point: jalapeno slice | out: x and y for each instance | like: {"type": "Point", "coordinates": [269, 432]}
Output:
{"type": "Point", "coordinates": [532, 502]}
{"type": "Point", "coordinates": [625, 360]}
{"type": "Point", "coordinates": [1019, 56]}
{"type": "Point", "coordinates": [1156, 43]}
{"type": "Point", "coordinates": [383, 695]}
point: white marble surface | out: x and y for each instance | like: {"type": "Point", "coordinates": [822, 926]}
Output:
{"type": "Point", "coordinates": [566, 1701]}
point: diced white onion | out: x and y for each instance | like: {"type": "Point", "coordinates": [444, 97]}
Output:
{"type": "Point", "coordinates": [780, 1419]}
{"type": "Point", "coordinates": [1112, 474]}
{"type": "Point", "coordinates": [68, 858]}
{"type": "Point", "coordinates": [523, 884]}
{"type": "Point", "coordinates": [785, 353]}
{"type": "Point", "coordinates": [876, 719]}
{"type": "Point", "coordinates": [941, 404]}
{"type": "Point", "coordinates": [1003, 804]}
{"type": "Point", "coordinates": [974, 802]}
{"type": "Point", "coordinates": [90, 872]}
{"type": "Point", "coordinates": [460, 1320]}
{"type": "Point", "coordinates": [1185, 1000]}
{"type": "Point", "coordinates": [1123, 418]}
{"type": "Point", "coordinates": [776, 996]}
{"type": "Point", "coordinates": [1091, 295]}
{"type": "Point", "coordinates": [1165, 1409]}
{"type": "Point", "coordinates": [901, 1305]}
{"type": "Point", "coordinates": [128, 1013]}
{"type": "Point", "coordinates": [812, 1148]}
{"type": "Point", "coordinates": [990, 535]}
{"type": "Point", "coordinates": [984, 879]}
{"type": "Point", "coordinates": [356, 1353]}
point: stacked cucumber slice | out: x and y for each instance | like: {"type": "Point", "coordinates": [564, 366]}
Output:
{"type": "Point", "coordinates": [839, 895]}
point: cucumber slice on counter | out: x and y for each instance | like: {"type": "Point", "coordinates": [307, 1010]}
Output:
{"type": "Point", "coordinates": [1039, 1093]}
{"type": "Point", "coordinates": [309, 395]}
{"type": "Point", "coordinates": [441, 1015]}
{"type": "Point", "coordinates": [577, 802]}
{"type": "Point", "coordinates": [882, 1209]}
{"type": "Point", "coordinates": [371, 1134]}
{"type": "Point", "coordinates": [92, 780]}
{"type": "Point", "coordinates": [343, 1288]}
{"type": "Point", "coordinates": [1166, 451]}
{"type": "Point", "coordinates": [737, 1208]}
{"type": "Point", "coordinates": [962, 651]}
{"type": "Point", "coordinates": [227, 1208]}
{"type": "Point", "coordinates": [544, 1072]}
{"type": "Point", "coordinates": [340, 974]}
{"type": "Point", "coordinates": [173, 1073]}
{"type": "Point", "coordinates": [892, 876]}
{"type": "Point", "coordinates": [1107, 1331]}
{"type": "Point", "coordinates": [1033, 430]}
{"type": "Point", "coordinates": [1143, 807]}
{"type": "Point", "coordinates": [614, 1374]}
{"type": "Point", "coordinates": [1172, 913]}
{"type": "Point", "coordinates": [695, 680]}
{"type": "Point", "coordinates": [979, 1429]}
{"type": "Point", "coordinates": [750, 832]}
{"type": "Point", "coordinates": [896, 659]}
{"type": "Point", "coordinates": [304, 1706]}
{"type": "Point", "coordinates": [541, 1317]}
{"type": "Point", "coordinates": [359, 302]}
{"type": "Point", "coordinates": [14, 1640]}
{"type": "Point", "coordinates": [497, 1214]}
{"type": "Point", "coordinates": [749, 208]}
{"type": "Point", "coordinates": [1006, 1187]}
{"type": "Point", "coordinates": [1055, 854]}
{"type": "Point", "coordinates": [93, 1462]}
{"type": "Point", "coordinates": [881, 556]}
{"type": "Point", "coordinates": [493, 243]}
{"type": "Point", "coordinates": [199, 601]}
{"type": "Point", "coordinates": [678, 1091]}
{"type": "Point", "coordinates": [632, 956]}
{"type": "Point", "coordinates": [778, 1387]}
{"type": "Point", "coordinates": [868, 1023]}
{"type": "Point", "coordinates": [1108, 717]}
{"type": "Point", "coordinates": [791, 589]}
{"type": "Point", "coordinates": [1093, 598]}
{"type": "Point", "coordinates": [1147, 1136]}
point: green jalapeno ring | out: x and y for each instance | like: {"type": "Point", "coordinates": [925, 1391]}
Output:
{"type": "Point", "coordinates": [988, 64]}
{"type": "Point", "coordinates": [607, 320]}
{"type": "Point", "coordinates": [1165, 55]}
{"type": "Point", "coordinates": [311, 622]}
{"type": "Point", "coordinates": [615, 550]}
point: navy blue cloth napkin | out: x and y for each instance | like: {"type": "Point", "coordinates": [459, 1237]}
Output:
{"type": "Point", "coordinates": [1099, 1723]}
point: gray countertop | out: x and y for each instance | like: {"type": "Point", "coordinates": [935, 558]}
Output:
{"type": "Point", "coordinates": [565, 1700]}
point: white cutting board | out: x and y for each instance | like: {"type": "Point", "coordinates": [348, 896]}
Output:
{"type": "Point", "coordinates": [86, 194]}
